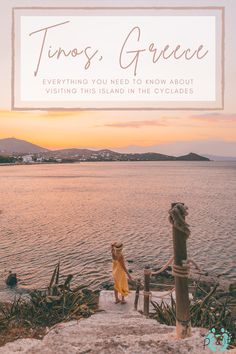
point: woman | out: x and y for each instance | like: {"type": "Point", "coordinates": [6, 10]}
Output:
{"type": "Point", "coordinates": [119, 272]}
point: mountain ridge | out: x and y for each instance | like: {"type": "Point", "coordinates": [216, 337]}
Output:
{"type": "Point", "coordinates": [11, 146]}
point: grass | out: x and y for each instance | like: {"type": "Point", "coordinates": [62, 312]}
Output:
{"type": "Point", "coordinates": [44, 308]}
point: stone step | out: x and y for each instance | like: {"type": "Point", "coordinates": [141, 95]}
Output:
{"type": "Point", "coordinates": [116, 329]}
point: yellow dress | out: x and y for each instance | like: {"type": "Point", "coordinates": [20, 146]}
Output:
{"type": "Point", "coordinates": [120, 278]}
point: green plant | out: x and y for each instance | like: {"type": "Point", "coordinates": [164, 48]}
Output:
{"type": "Point", "coordinates": [47, 307]}
{"type": "Point", "coordinates": [206, 312]}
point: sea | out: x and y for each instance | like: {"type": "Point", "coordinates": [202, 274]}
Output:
{"type": "Point", "coordinates": [73, 212]}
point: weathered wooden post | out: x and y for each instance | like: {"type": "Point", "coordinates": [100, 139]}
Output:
{"type": "Point", "coordinates": [146, 292]}
{"type": "Point", "coordinates": [180, 268]}
{"type": "Point", "coordinates": [137, 294]}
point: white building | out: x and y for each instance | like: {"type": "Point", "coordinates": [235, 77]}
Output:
{"type": "Point", "coordinates": [27, 158]}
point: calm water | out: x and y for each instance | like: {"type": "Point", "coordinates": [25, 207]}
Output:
{"type": "Point", "coordinates": [73, 212]}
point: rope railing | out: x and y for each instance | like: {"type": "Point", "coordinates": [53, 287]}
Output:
{"type": "Point", "coordinates": [182, 269]}
{"type": "Point", "coordinates": [162, 296]}
{"type": "Point", "coordinates": [164, 267]}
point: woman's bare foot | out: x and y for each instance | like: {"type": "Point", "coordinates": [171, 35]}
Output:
{"type": "Point", "coordinates": [123, 300]}
{"type": "Point", "coordinates": [117, 301]}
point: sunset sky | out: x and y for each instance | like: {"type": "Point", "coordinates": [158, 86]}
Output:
{"type": "Point", "coordinates": [172, 132]}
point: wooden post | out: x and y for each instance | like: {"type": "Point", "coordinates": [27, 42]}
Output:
{"type": "Point", "coordinates": [137, 294]}
{"type": "Point", "coordinates": [146, 292]}
{"type": "Point", "coordinates": [183, 324]}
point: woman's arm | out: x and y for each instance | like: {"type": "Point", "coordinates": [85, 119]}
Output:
{"type": "Point", "coordinates": [122, 262]}
{"type": "Point", "coordinates": [113, 252]}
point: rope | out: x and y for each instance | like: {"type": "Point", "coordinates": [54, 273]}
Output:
{"type": "Point", "coordinates": [139, 282]}
{"type": "Point", "coordinates": [180, 271]}
{"type": "Point", "coordinates": [189, 262]}
{"type": "Point", "coordinates": [184, 270]}
{"type": "Point", "coordinates": [177, 270]}
{"type": "Point", "coordinates": [165, 266]}
{"type": "Point", "coordinates": [164, 295]}
{"type": "Point", "coordinates": [161, 284]}
{"type": "Point", "coordinates": [177, 218]}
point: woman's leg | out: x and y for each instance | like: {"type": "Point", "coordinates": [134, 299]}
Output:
{"type": "Point", "coordinates": [116, 296]}
{"type": "Point", "coordinates": [123, 300]}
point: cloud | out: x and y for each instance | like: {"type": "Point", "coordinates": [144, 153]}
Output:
{"type": "Point", "coordinates": [13, 114]}
{"type": "Point", "coordinates": [60, 114]}
{"type": "Point", "coordinates": [215, 117]}
{"type": "Point", "coordinates": [135, 124]}
{"type": "Point", "coordinates": [39, 114]}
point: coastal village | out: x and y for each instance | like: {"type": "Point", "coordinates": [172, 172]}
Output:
{"type": "Point", "coordinates": [16, 151]}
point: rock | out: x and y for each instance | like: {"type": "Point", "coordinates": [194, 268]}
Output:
{"type": "Point", "coordinates": [220, 294]}
{"type": "Point", "coordinates": [118, 329]}
{"type": "Point", "coordinates": [165, 274]}
{"type": "Point", "coordinates": [87, 292]}
{"type": "Point", "coordinates": [133, 284]}
{"type": "Point", "coordinates": [11, 280]}
{"type": "Point", "coordinates": [232, 287]}
{"type": "Point", "coordinates": [107, 285]}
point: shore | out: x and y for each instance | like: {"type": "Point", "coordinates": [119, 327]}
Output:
{"type": "Point", "coordinates": [115, 329]}
{"type": "Point", "coordinates": [36, 163]}
{"type": "Point", "coordinates": [160, 285]}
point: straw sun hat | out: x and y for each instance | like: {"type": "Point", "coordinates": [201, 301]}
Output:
{"type": "Point", "coordinates": [118, 246]}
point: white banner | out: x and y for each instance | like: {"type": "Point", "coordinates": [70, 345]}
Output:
{"type": "Point", "coordinates": [74, 59]}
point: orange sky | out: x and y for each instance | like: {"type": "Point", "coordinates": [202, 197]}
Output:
{"type": "Point", "coordinates": [104, 129]}
{"type": "Point", "coordinates": [115, 129]}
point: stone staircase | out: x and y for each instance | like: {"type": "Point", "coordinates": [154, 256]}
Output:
{"type": "Point", "coordinates": [117, 329]}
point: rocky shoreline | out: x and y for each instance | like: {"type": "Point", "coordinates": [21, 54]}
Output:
{"type": "Point", "coordinates": [164, 280]}
{"type": "Point", "coordinates": [199, 287]}
{"type": "Point", "coordinates": [116, 329]}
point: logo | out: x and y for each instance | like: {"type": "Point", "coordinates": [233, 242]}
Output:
{"type": "Point", "coordinates": [217, 341]}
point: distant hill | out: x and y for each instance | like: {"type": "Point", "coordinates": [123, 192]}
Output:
{"type": "Point", "coordinates": [192, 157]}
{"type": "Point", "coordinates": [17, 146]}
{"type": "Point", "coordinates": [70, 152]}
{"type": "Point", "coordinates": [12, 146]}
{"type": "Point", "coordinates": [109, 155]}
